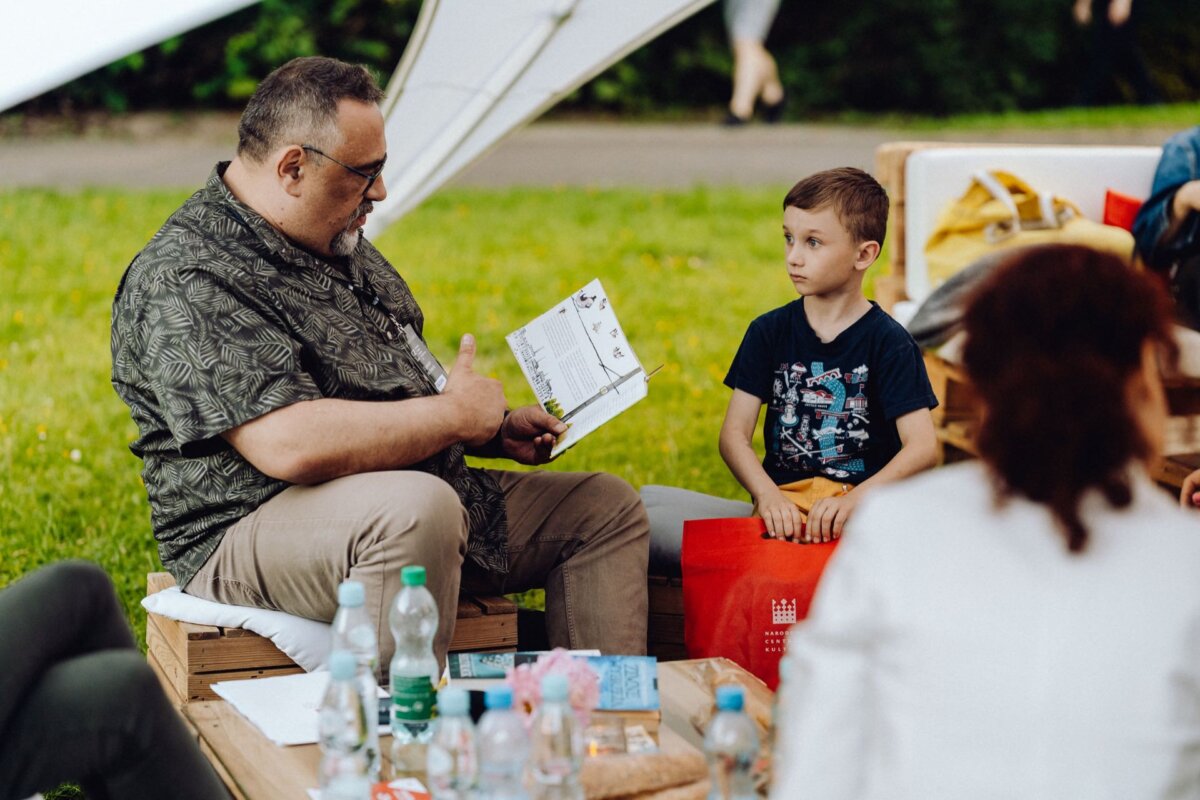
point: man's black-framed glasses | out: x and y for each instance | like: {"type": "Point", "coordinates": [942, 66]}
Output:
{"type": "Point", "coordinates": [370, 176]}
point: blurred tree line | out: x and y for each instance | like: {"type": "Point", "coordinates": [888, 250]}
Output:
{"type": "Point", "coordinates": [927, 56]}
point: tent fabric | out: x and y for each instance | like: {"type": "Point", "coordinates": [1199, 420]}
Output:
{"type": "Point", "coordinates": [47, 43]}
{"type": "Point", "coordinates": [477, 70]}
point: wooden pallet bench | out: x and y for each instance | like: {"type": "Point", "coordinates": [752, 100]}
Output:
{"type": "Point", "coordinates": [956, 417]}
{"type": "Point", "coordinates": [189, 658]}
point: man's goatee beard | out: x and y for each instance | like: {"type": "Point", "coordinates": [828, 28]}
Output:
{"type": "Point", "coordinates": [346, 242]}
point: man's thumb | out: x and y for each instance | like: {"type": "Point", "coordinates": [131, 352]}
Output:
{"type": "Point", "coordinates": [466, 351]}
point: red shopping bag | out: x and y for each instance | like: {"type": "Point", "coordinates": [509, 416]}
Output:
{"type": "Point", "coordinates": [742, 593]}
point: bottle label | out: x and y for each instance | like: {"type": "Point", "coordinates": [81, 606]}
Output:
{"type": "Point", "coordinates": [413, 698]}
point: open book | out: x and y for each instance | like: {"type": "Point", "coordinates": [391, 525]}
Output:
{"type": "Point", "coordinates": [579, 363]}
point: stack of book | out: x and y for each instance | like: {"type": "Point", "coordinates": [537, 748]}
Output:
{"type": "Point", "coordinates": [628, 684]}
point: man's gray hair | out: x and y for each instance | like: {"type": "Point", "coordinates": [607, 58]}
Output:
{"type": "Point", "coordinates": [297, 104]}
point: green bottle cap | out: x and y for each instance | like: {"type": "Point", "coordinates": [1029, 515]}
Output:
{"type": "Point", "coordinates": [412, 575]}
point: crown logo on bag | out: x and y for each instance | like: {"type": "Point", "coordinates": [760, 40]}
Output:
{"type": "Point", "coordinates": [783, 612]}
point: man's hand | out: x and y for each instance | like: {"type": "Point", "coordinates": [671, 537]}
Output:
{"type": "Point", "coordinates": [528, 435]}
{"type": "Point", "coordinates": [784, 520]}
{"type": "Point", "coordinates": [480, 400]}
{"type": "Point", "coordinates": [829, 515]}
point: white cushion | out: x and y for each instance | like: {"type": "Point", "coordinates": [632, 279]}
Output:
{"type": "Point", "coordinates": [936, 176]}
{"type": "Point", "coordinates": [305, 641]}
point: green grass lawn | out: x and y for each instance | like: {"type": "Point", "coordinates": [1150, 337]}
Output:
{"type": "Point", "coordinates": [685, 270]}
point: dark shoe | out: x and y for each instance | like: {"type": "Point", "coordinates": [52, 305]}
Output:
{"type": "Point", "coordinates": [732, 120]}
{"type": "Point", "coordinates": [773, 112]}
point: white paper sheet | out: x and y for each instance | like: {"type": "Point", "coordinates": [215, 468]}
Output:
{"type": "Point", "coordinates": [284, 708]}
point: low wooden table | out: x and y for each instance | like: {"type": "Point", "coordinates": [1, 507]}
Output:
{"type": "Point", "coordinates": [254, 768]}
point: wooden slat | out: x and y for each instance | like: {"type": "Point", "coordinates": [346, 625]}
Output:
{"type": "Point", "coordinates": [168, 687]}
{"type": "Point", "coordinates": [171, 668]}
{"type": "Point", "coordinates": [467, 608]}
{"type": "Point", "coordinates": [494, 632]}
{"type": "Point", "coordinates": [1172, 470]}
{"type": "Point", "coordinates": [494, 605]}
{"type": "Point", "coordinates": [236, 648]}
{"type": "Point", "coordinates": [199, 684]}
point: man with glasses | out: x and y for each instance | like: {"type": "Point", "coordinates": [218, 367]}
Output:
{"type": "Point", "coordinates": [294, 429]}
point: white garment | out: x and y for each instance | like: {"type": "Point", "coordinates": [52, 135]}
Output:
{"type": "Point", "coordinates": [957, 650]}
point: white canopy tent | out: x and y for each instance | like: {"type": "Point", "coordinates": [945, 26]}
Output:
{"type": "Point", "coordinates": [46, 43]}
{"type": "Point", "coordinates": [477, 70]}
{"type": "Point", "coordinates": [473, 72]}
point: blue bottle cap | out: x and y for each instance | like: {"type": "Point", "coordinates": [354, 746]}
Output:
{"type": "Point", "coordinates": [730, 698]}
{"type": "Point", "coordinates": [351, 594]}
{"type": "Point", "coordinates": [342, 665]}
{"type": "Point", "coordinates": [412, 575]}
{"type": "Point", "coordinates": [554, 688]}
{"type": "Point", "coordinates": [498, 697]}
{"type": "Point", "coordinates": [453, 701]}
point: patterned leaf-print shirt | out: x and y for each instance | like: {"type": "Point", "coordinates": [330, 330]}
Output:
{"type": "Point", "coordinates": [221, 319]}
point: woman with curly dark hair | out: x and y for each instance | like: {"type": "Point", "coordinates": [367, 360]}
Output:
{"type": "Point", "coordinates": [1026, 625]}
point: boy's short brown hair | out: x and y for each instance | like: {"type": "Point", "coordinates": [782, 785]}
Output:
{"type": "Point", "coordinates": [860, 203]}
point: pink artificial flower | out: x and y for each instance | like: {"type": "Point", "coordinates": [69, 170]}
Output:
{"type": "Point", "coordinates": [582, 681]}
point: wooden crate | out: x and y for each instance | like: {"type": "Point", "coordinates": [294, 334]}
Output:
{"type": "Point", "coordinates": [189, 658]}
{"type": "Point", "coordinates": [664, 628]}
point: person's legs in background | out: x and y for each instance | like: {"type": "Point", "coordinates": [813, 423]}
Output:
{"type": "Point", "coordinates": [584, 537]}
{"type": "Point", "coordinates": [755, 74]}
{"type": "Point", "coordinates": [291, 553]}
{"type": "Point", "coordinates": [79, 703]}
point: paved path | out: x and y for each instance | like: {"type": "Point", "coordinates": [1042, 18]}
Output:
{"type": "Point", "coordinates": [161, 152]}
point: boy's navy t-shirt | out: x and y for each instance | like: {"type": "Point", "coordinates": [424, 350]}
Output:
{"type": "Point", "coordinates": [831, 406]}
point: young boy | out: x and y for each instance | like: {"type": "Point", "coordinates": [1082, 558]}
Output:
{"type": "Point", "coordinates": [846, 391]}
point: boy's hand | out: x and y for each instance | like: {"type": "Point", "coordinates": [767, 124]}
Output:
{"type": "Point", "coordinates": [784, 520]}
{"type": "Point", "coordinates": [829, 515]}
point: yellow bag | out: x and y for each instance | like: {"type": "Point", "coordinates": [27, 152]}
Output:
{"type": "Point", "coordinates": [808, 491]}
{"type": "Point", "coordinates": [999, 211]}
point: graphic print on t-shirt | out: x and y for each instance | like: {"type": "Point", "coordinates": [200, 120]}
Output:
{"type": "Point", "coordinates": [822, 422]}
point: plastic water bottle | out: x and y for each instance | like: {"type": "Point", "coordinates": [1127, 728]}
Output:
{"type": "Point", "coordinates": [452, 761]}
{"type": "Point", "coordinates": [414, 672]}
{"type": "Point", "coordinates": [503, 748]}
{"type": "Point", "coordinates": [353, 631]}
{"type": "Point", "coordinates": [556, 746]}
{"type": "Point", "coordinates": [731, 746]}
{"type": "Point", "coordinates": [342, 729]}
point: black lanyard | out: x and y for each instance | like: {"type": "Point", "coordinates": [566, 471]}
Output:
{"type": "Point", "coordinates": [369, 296]}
